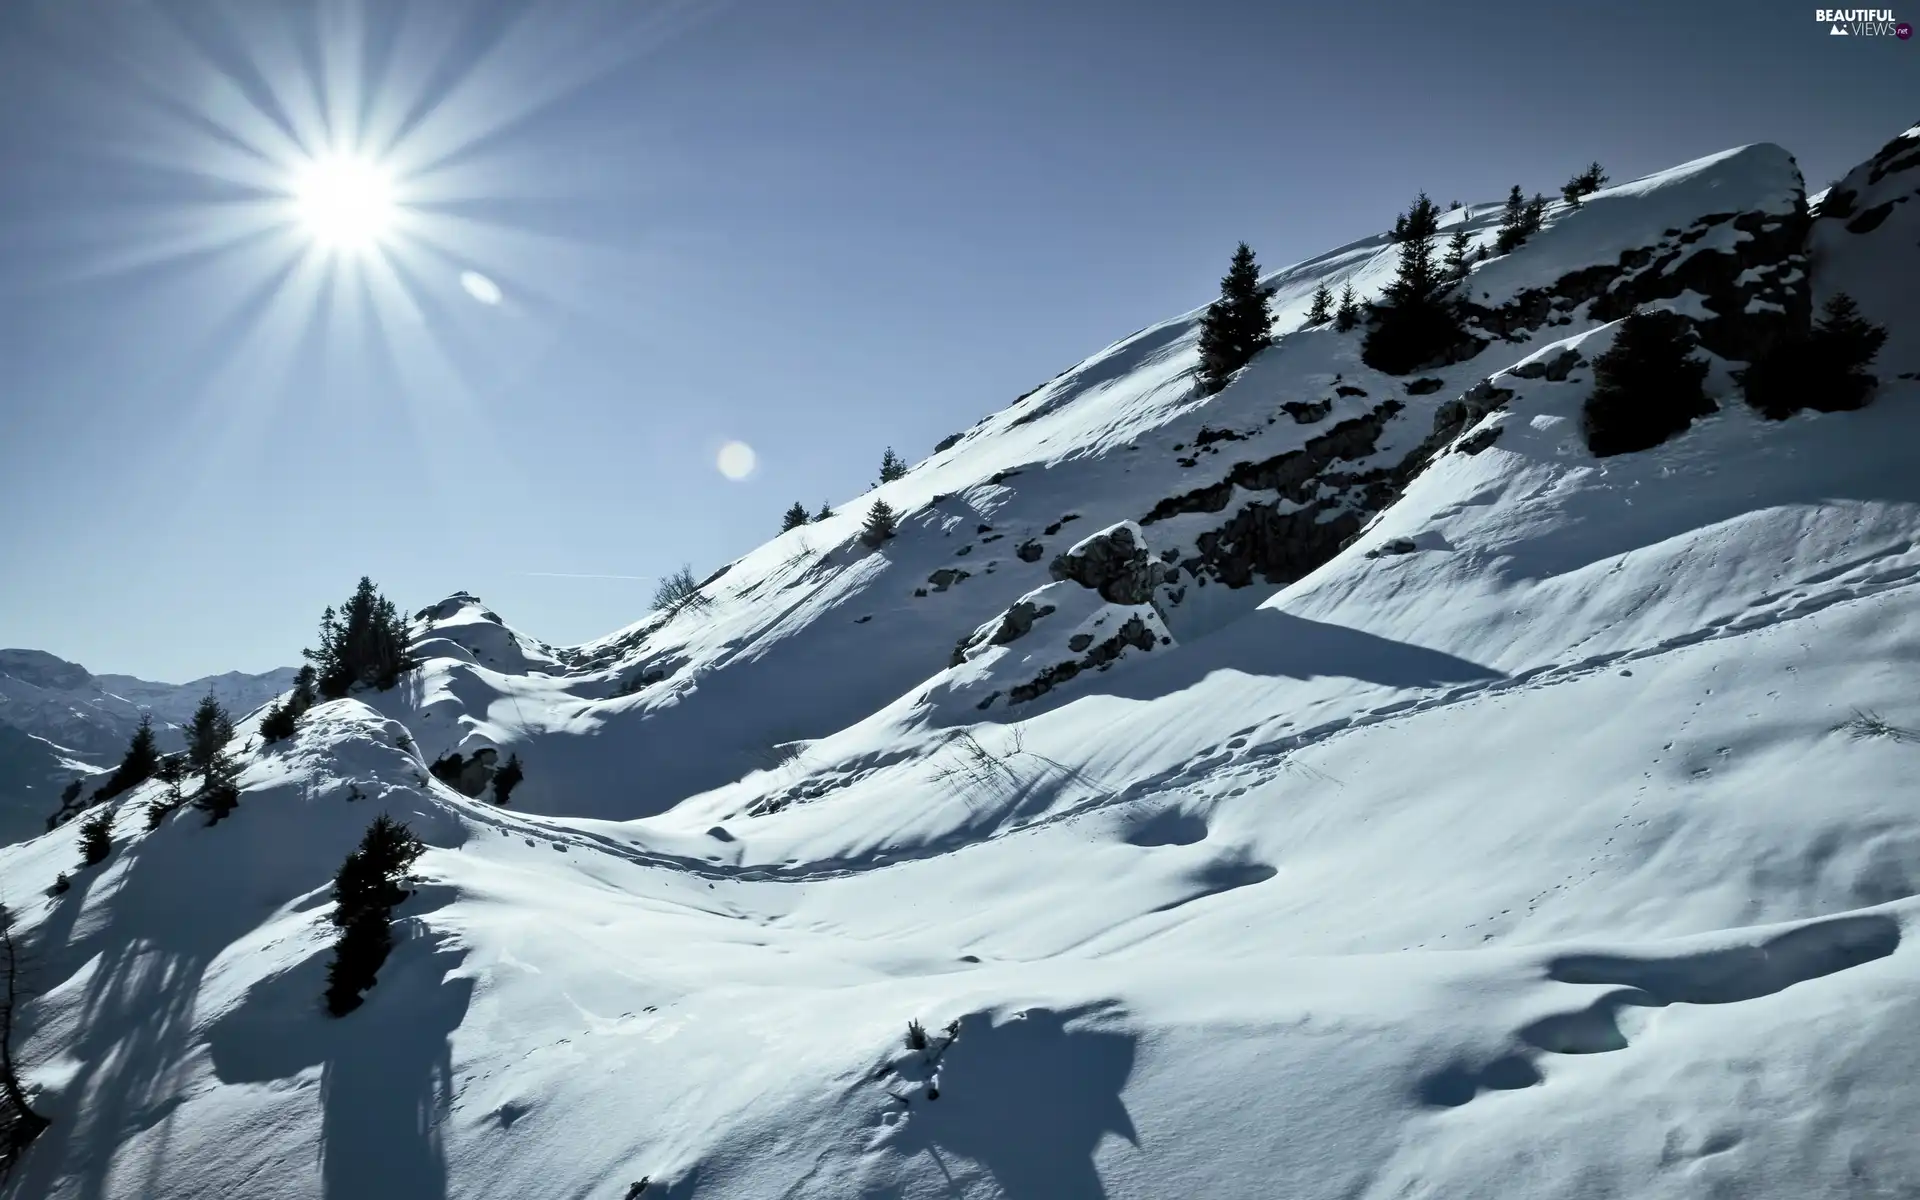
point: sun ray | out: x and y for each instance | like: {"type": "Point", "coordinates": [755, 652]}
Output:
{"type": "Point", "coordinates": [176, 237]}
{"type": "Point", "coordinates": [543, 57]}
{"type": "Point", "coordinates": [336, 196]}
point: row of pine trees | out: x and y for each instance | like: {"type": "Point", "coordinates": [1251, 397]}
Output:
{"type": "Point", "coordinates": [1414, 322]}
{"type": "Point", "coordinates": [363, 644]}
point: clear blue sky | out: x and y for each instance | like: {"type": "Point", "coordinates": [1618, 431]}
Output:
{"type": "Point", "coordinates": [817, 226]}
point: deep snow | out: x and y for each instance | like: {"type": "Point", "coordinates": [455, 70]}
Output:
{"type": "Point", "coordinates": [1531, 846]}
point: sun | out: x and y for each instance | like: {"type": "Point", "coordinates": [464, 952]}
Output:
{"type": "Point", "coordinates": [344, 203]}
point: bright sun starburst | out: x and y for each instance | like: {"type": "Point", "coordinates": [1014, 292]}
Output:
{"type": "Point", "coordinates": [345, 203]}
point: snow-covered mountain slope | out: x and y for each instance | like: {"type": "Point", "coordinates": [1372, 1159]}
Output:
{"type": "Point", "coordinates": [1259, 484]}
{"type": "Point", "coordinates": [1341, 786]}
{"type": "Point", "coordinates": [58, 722]}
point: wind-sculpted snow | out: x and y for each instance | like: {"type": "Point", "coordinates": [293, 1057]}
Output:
{"type": "Point", "coordinates": [1153, 802]}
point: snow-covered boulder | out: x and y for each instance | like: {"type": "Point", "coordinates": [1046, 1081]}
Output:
{"type": "Point", "coordinates": [1114, 562]}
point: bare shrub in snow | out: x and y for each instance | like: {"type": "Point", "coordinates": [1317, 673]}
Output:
{"type": "Point", "coordinates": [679, 590]}
{"type": "Point", "coordinates": [916, 1035]}
{"type": "Point", "coordinates": [1865, 723]}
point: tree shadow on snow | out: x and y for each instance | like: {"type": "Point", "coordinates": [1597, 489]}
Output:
{"type": "Point", "coordinates": [1028, 1101]}
{"type": "Point", "coordinates": [385, 1069]}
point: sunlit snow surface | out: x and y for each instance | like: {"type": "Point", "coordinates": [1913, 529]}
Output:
{"type": "Point", "coordinates": [1542, 860]}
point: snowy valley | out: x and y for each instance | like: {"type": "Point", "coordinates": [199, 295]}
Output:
{"type": "Point", "coordinates": [1343, 785]}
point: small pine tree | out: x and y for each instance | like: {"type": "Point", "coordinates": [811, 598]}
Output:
{"type": "Point", "coordinates": [208, 733]}
{"type": "Point", "coordinates": [891, 468]}
{"type": "Point", "coordinates": [96, 837]}
{"type": "Point", "coordinates": [160, 808]}
{"type": "Point", "coordinates": [173, 772]}
{"type": "Point", "coordinates": [1451, 207]}
{"type": "Point", "coordinates": [1824, 369]}
{"type": "Point", "coordinates": [1512, 222]}
{"type": "Point", "coordinates": [365, 891]}
{"type": "Point", "coordinates": [1845, 344]}
{"type": "Point", "coordinates": [137, 766]}
{"type": "Point", "coordinates": [1647, 386]}
{"type": "Point", "coordinates": [1321, 310]}
{"type": "Point", "coordinates": [60, 886]}
{"type": "Point", "coordinates": [1238, 325]}
{"type": "Point", "coordinates": [1571, 193]}
{"type": "Point", "coordinates": [826, 510]}
{"type": "Point", "coordinates": [365, 643]}
{"type": "Point", "coordinates": [172, 769]}
{"type": "Point", "coordinates": [882, 523]}
{"type": "Point", "coordinates": [507, 778]}
{"type": "Point", "coordinates": [1347, 315]}
{"type": "Point", "coordinates": [1459, 256]}
{"type": "Point", "coordinates": [1415, 324]}
{"type": "Point", "coordinates": [1534, 214]}
{"type": "Point", "coordinates": [219, 789]}
{"type": "Point", "coordinates": [306, 689]}
{"type": "Point", "coordinates": [1592, 179]}
{"type": "Point", "coordinates": [369, 879]}
{"type": "Point", "coordinates": [277, 723]}
{"type": "Point", "coordinates": [794, 518]}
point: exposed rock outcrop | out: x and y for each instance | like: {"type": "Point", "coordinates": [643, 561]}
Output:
{"type": "Point", "coordinates": [1132, 632]}
{"type": "Point", "coordinates": [1754, 283]}
{"type": "Point", "coordinates": [1115, 563]}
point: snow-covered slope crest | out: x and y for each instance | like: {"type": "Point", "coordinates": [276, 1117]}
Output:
{"type": "Point", "coordinates": [1551, 835]}
{"type": "Point", "coordinates": [1239, 493]}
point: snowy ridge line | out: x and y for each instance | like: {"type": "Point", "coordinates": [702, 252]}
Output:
{"type": "Point", "coordinates": [1238, 753]}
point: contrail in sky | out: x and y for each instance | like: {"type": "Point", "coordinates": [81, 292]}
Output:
{"type": "Point", "coordinates": [577, 575]}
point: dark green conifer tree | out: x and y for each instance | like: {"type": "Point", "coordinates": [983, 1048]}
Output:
{"type": "Point", "coordinates": [207, 734]}
{"type": "Point", "coordinates": [1414, 322]}
{"type": "Point", "coordinates": [1321, 310]}
{"type": "Point", "coordinates": [795, 517]}
{"type": "Point", "coordinates": [1825, 369]}
{"type": "Point", "coordinates": [137, 765]}
{"type": "Point", "coordinates": [1459, 256]}
{"type": "Point", "coordinates": [507, 778]}
{"type": "Point", "coordinates": [1347, 315]}
{"type": "Point", "coordinates": [96, 837]}
{"type": "Point", "coordinates": [1238, 325]}
{"type": "Point", "coordinates": [1647, 387]}
{"type": "Point", "coordinates": [882, 523]}
{"type": "Point", "coordinates": [366, 889]}
{"type": "Point", "coordinates": [364, 644]}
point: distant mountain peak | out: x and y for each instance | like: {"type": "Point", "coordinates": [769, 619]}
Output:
{"type": "Point", "coordinates": [43, 670]}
